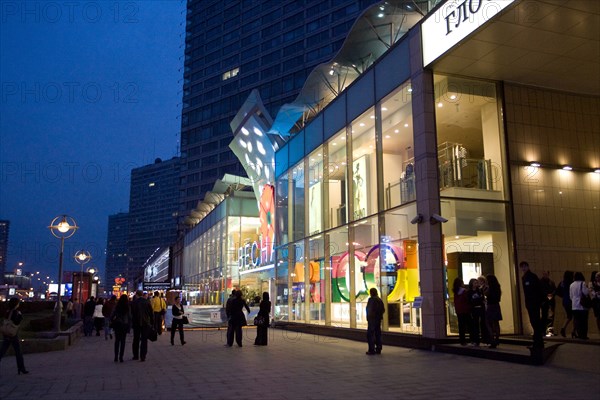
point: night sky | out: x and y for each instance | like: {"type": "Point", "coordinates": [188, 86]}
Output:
{"type": "Point", "coordinates": [90, 90]}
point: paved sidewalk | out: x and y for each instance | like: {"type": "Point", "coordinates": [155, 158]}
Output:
{"type": "Point", "coordinates": [293, 366]}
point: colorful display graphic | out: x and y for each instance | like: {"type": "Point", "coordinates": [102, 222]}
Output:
{"type": "Point", "coordinates": [368, 271]}
{"type": "Point", "coordinates": [267, 221]}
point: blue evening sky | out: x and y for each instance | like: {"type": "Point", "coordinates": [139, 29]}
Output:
{"type": "Point", "coordinates": [89, 90]}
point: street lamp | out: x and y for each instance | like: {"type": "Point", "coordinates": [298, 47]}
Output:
{"type": "Point", "coordinates": [62, 227]}
{"type": "Point", "coordinates": [92, 271]}
{"type": "Point", "coordinates": [82, 257]}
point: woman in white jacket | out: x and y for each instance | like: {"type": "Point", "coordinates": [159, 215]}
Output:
{"type": "Point", "coordinates": [98, 316]}
{"type": "Point", "coordinates": [580, 313]}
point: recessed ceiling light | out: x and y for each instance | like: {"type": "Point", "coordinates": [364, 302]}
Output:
{"type": "Point", "coordinates": [534, 164]}
{"type": "Point", "coordinates": [387, 136]}
{"type": "Point", "coordinates": [597, 170]}
{"type": "Point", "coordinates": [440, 104]}
{"type": "Point", "coordinates": [453, 97]}
{"type": "Point", "coordinates": [396, 131]}
{"type": "Point", "coordinates": [383, 109]}
{"type": "Point", "coordinates": [406, 125]}
{"type": "Point", "coordinates": [567, 168]}
{"type": "Point", "coordinates": [361, 124]}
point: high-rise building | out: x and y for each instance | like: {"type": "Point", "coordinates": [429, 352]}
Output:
{"type": "Point", "coordinates": [153, 212]}
{"type": "Point", "coordinates": [116, 247]}
{"type": "Point", "coordinates": [4, 226]}
{"type": "Point", "coordinates": [233, 47]}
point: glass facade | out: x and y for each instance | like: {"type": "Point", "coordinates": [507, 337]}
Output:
{"type": "Point", "coordinates": [472, 181]}
{"type": "Point", "coordinates": [353, 198]}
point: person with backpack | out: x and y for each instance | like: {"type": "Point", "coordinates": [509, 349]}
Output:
{"type": "Point", "coordinates": [375, 311]}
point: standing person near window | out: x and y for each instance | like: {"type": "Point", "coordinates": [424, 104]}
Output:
{"type": "Point", "coordinates": [16, 317]}
{"type": "Point", "coordinates": [580, 314]}
{"type": "Point", "coordinates": [462, 308]}
{"type": "Point", "coordinates": [238, 319]}
{"type": "Point", "coordinates": [178, 314]}
{"type": "Point", "coordinates": [493, 313]}
{"type": "Point", "coordinates": [477, 302]}
{"type": "Point", "coordinates": [563, 291]}
{"type": "Point", "coordinates": [375, 311]}
{"type": "Point", "coordinates": [262, 334]}
{"type": "Point", "coordinates": [121, 323]}
{"type": "Point", "coordinates": [534, 296]}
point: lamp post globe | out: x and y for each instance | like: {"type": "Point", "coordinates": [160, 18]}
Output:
{"type": "Point", "coordinates": [82, 257]}
{"type": "Point", "coordinates": [61, 227]}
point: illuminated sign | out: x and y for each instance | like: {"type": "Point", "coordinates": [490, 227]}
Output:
{"type": "Point", "coordinates": [454, 21]}
{"type": "Point", "coordinates": [254, 255]}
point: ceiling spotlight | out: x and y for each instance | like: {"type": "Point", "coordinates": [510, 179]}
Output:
{"type": "Point", "coordinates": [567, 168]}
{"type": "Point", "coordinates": [535, 164]}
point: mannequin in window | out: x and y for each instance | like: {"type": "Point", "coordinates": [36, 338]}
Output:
{"type": "Point", "coordinates": [358, 182]}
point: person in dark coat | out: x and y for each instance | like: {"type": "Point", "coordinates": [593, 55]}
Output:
{"type": "Point", "coordinates": [534, 297]}
{"type": "Point", "coordinates": [237, 319]}
{"type": "Point", "coordinates": [121, 324]}
{"type": "Point", "coordinates": [177, 322]}
{"type": "Point", "coordinates": [462, 308]}
{"type": "Point", "coordinates": [477, 303]}
{"type": "Point", "coordinates": [88, 316]}
{"type": "Point", "coordinates": [563, 291]}
{"type": "Point", "coordinates": [262, 333]}
{"type": "Point", "coordinates": [16, 317]}
{"type": "Point", "coordinates": [142, 321]}
{"type": "Point", "coordinates": [493, 312]}
{"type": "Point", "coordinates": [375, 311]}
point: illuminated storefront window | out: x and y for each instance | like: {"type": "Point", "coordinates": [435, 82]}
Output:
{"type": "Point", "coordinates": [364, 168]}
{"type": "Point", "coordinates": [336, 180]}
{"type": "Point", "coordinates": [397, 147]}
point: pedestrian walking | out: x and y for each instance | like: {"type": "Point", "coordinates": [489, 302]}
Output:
{"type": "Point", "coordinates": [159, 308]}
{"type": "Point", "coordinates": [98, 316]}
{"type": "Point", "coordinates": [462, 308]}
{"type": "Point", "coordinates": [549, 304]}
{"type": "Point", "coordinates": [88, 316]}
{"type": "Point", "coordinates": [14, 315]}
{"type": "Point", "coordinates": [69, 308]}
{"type": "Point", "coordinates": [177, 321]}
{"type": "Point", "coordinates": [375, 311]}
{"type": "Point", "coordinates": [563, 291]}
{"type": "Point", "coordinates": [577, 290]}
{"type": "Point", "coordinates": [262, 329]}
{"type": "Point", "coordinates": [142, 322]}
{"type": "Point", "coordinates": [534, 297]}
{"type": "Point", "coordinates": [107, 311]}
{"type": "Point", "coordinates": [237, 319]}
{"type": "Point", "coordinates": [121, 324]}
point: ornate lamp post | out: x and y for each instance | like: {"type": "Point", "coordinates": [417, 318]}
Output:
{"type": "Point", "coordinates": [82, 257]}
{"type": "Point", "coordinates": [62, 227]}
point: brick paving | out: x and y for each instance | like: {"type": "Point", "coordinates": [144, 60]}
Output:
{"type": "Point", "coordinates": [293, 366]}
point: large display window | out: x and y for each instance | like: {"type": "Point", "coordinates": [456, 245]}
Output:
{"type": "Point", "coordinates": [315, 192]}
{"type": "Point", "coordinates": [316, 279]}
{"type": "Point", "coordinates": [298, 198]}
{"type": "Point", "coordinates": [476, 244]}
{"type": "Point", "coordinates": [470, 139]}
{"type": "Point", "coordinates": [399, 260]}
{"type": "Point", "coordinates": [299, 288]}
{"type": "Point", "coordinates": [282, 210]}
{"type": "Point", "coordinates": [364, 166]}
{"type": "Point", "coordinates": [397, 147]}
{"type": "Point", "coordinates": [336, 180]}
{"type": "Point", "coordinates": [282, 277]}
{"type": "Point", "coordinates": [367, 266]}
{"type": "Point", "coordinates": [338, 266]}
